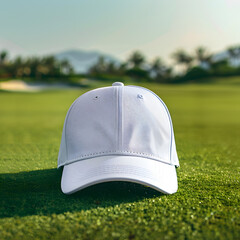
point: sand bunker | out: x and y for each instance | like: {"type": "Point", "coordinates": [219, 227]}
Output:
{"type": "Point", "coordinates": [21, 86]}
{"type": "Point", "coordinates": [18, 86]}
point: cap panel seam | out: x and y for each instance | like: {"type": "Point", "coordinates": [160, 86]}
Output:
{"type": "Point", "coordinates": [120, 112]}
{"type": "Point", "coordinates": [117, 117]}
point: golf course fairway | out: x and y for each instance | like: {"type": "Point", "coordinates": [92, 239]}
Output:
{"type": "Point", "coordinates": [206, 122]}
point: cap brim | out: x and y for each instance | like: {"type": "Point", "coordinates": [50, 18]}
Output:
{"type": "Point", "coordinates": [152, 173]}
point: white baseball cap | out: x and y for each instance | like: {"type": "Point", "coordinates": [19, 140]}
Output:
{"type": "Point", "coordinates": [118, 133]}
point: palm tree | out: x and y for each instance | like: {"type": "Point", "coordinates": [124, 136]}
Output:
{"type": "Point", "coordinates": [102, 65]}
{"type": "Point", "coordinates": [159, 70]}
{"type": "Point", "coordinates": [17, 67]}
{"type": "Point", "coordinates": [66, 67]}
{"type": "Point", "coordinates": [234, 53]}
{"type": "Point", "coordinates": [34, 64]}
{"type": "Point", "coordinates": [183, 58]}
{"type": "Point", "coordinates": [122, 68]}
{"type": "Point", "coordinates": [203, 57]}
{"type": "Point", "coordinates": [3, 57]}
{"type": "Point", "coordinates": [49, 66]}
{"type": "Point", "coordinates": [136, 59]}
{"type": "Point", "coordinates": [157, 65]}
{"type": "Point", "coordinates": [111, 67]}
{"type": "Point", "coordinates": [99, 67]}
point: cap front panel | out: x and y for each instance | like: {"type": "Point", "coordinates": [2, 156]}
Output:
{"type": "Point", "coordinates": [146, 125]}
{"type": "Point", "coordinates": [91, 127]}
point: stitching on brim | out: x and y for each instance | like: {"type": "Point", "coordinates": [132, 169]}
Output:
{"type": "Point", "coordinates": [99, 154]}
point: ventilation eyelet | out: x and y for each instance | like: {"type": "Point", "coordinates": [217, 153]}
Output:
{"type": "Point", "coordinates": [96, 98]}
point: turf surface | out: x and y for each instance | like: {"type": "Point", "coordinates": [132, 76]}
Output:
{"type": "Point", "coordinates": [206, 120]}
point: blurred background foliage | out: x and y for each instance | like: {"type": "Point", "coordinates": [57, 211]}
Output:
{"type": "Point", "coordinates": [200, 64]}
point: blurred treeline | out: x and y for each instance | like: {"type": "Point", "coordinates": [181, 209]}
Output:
{"type": "Point", "coordinates": [201, 64]}
{"type": "Point", "coordinates": [34, 68]}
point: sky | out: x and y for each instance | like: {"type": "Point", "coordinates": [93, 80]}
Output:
{"type": "Point", "coordinates": [155, 27]}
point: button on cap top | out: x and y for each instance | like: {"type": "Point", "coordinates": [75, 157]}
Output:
{"type": "Point", "coordinates": [118, 84]}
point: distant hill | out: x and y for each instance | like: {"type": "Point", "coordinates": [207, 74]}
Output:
{"type": "Point", "coordinates": [82, 60]}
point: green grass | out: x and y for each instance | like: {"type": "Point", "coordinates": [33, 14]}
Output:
{"type": "Point", "coordinates": [206, 120]}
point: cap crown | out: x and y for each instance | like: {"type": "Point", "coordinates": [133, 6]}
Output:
{"type": "Point", "coordinates": [118, 120]}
